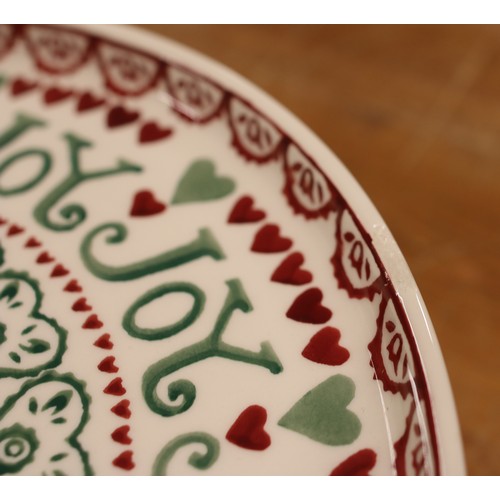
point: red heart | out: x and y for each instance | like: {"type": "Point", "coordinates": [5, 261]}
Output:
{"type": "Point", "coordinates": [20, 86]}
{"type": "Point", "coordinates": [32, 243]}
{"type": "Point", "coordinates": [92, 322]}
{"type": "Point", "coordinates": [121, 436]}
{"type": "Point", "coordinates": [3, 221]}
{"type": "Point", "coordinates": [150, 132]}
{"type": "Point", "coordinates": [124, 461]}
{"type": "Point", "coordinates": [248, 429]}
{"type": "Point", "coordinates": [307, 308]}
{"type": "Point", "coordinates": [122, 409]}
{"type": "Point", "coordinates": [59, 270]}
{"type": "Point", "coordinates": [14, 229]}
{"type": "Point", "coordinates": [104, 342]}
{"type": "Point", "coordinates": [73, 286]}
{"type": "Point", "coordinates": [81, 305]}
{"type": "Point", "coordinates": [115, 388]}
{"type": "Point", "coordinates": [108, 365]}
{"type": "Point", "coordinates": [289, 272]}
{"type": "Point", "coordinates": [359, 464]}
{"type": "Point", "coordinates": [44, 258]}
{"type": "Point", "coordinates": [119, 116]}
{"type": "Point", "coordinates": [54, 94]}
{"type": "Point", "coordinates": [88, 101]}
{"type": "Point", "coordinates": [145, 204]}
{"type": "Point", "coordinates": [268, 240]}
{"type": "Point", "coordinates": [324, 348]}
{"type": "Point", "coordinates": [243, 212]}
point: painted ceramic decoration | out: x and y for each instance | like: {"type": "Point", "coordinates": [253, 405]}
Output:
{"type": "Point", "coordinates": [191, 283]}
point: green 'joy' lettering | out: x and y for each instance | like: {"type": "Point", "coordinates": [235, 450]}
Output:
{"type": "Point", "coordinates": [204, 244]}
{"type": "Point", "coordinates": [12, 161]}
{"type": "Point", "coordinates": [21, 125]}
{"type": "Point", "coordinates": [211, 346]}
{"type": "Point", "coordinates": [74, 214]}
{"type": "Point", "coordinates": [189, 318]}
{"type": "Point", "coordinates": [197, 460]}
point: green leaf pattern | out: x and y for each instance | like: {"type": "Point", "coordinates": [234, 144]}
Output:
{"type": "Point", "coordinates": [30, 342]}
{"type": "Point", "coordinates": [41, 422]}
{"type": "Point", "coordinates": [39, 427]}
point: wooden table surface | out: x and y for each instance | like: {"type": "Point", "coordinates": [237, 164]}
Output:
{"type": "Point", "coordinates": [414, 112]}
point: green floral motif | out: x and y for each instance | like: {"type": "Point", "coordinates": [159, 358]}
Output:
{"type": "Point", "coordinates": [17, 448]}
{"type": "Point", "coordinates": [29, 341]}
{"type": "Point", "coordinates": [39, 427]}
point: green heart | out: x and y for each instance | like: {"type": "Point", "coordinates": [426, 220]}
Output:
{"type": "Point", "coordinates": [322, 414]}
{"type": "Point", "coordinates": [200, 183]}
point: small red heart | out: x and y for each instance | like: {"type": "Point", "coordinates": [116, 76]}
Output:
{"type": "Point", "coordinates": [121, 436]}
{"type": "Point", "coordinates": [151, 132]}
{"type": "Point", "coordinates": [89, 101]}
{"type": "Point", "coordinates": [248, 429]}
{"type": "Point", "coordinates": [104, 342]}
{"type": "Point", "coordinates": [15, 229]}
{"type": "Point", "coordinates": [324, 348]}
{"type": "Point", "coordinates": [243, 212]}
{"type": "Point", "coordinates": [59, 270]}
{"type": "Point", "coordinates": [119, 116]}
{"type": "Point", "coordinates": [115, 388]}
{"type": "Point", "coordinates": [307, 308]}
{"type": "Point", "coordinates": [268, 240]}
{"type": "Point", "coordinates": [20, 86]}
{"type": "Point", "coordinates": [124, 461]}
{"type": "Point", "coordinates": [73, 286]}
{"type": "Point", "coordinates": [108, 365]}
{"type": "Point", "coordinates": [81, 305]}
{"type": "Point", "coordinates": [3, 221]}
{"type": "Point", "coordinates": [44, 258]}
{"type": "Point", "coordinates": [122, 409]}
{"type": "Point", "coordinates": [92, 322]}
{"type": "Point", "coordinates": [289, 272]}
{"type": "Point", "coordinates": [359, 464]}
{"type": "Point", "coordinates": [55, 94]}
{"type": "Point", "coordinates": [145, 204]}
{"type": "Point", "coordinates": [32, 243]}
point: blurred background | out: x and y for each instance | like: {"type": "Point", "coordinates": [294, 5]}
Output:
{"type": "Point", "coordinates": [414, 113]}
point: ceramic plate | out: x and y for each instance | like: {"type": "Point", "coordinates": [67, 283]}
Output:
{"type": "Point", "coordinates": [192, 283]}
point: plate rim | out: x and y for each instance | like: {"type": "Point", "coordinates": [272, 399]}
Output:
{"type": "Point", "coordinates": [444, 415]}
